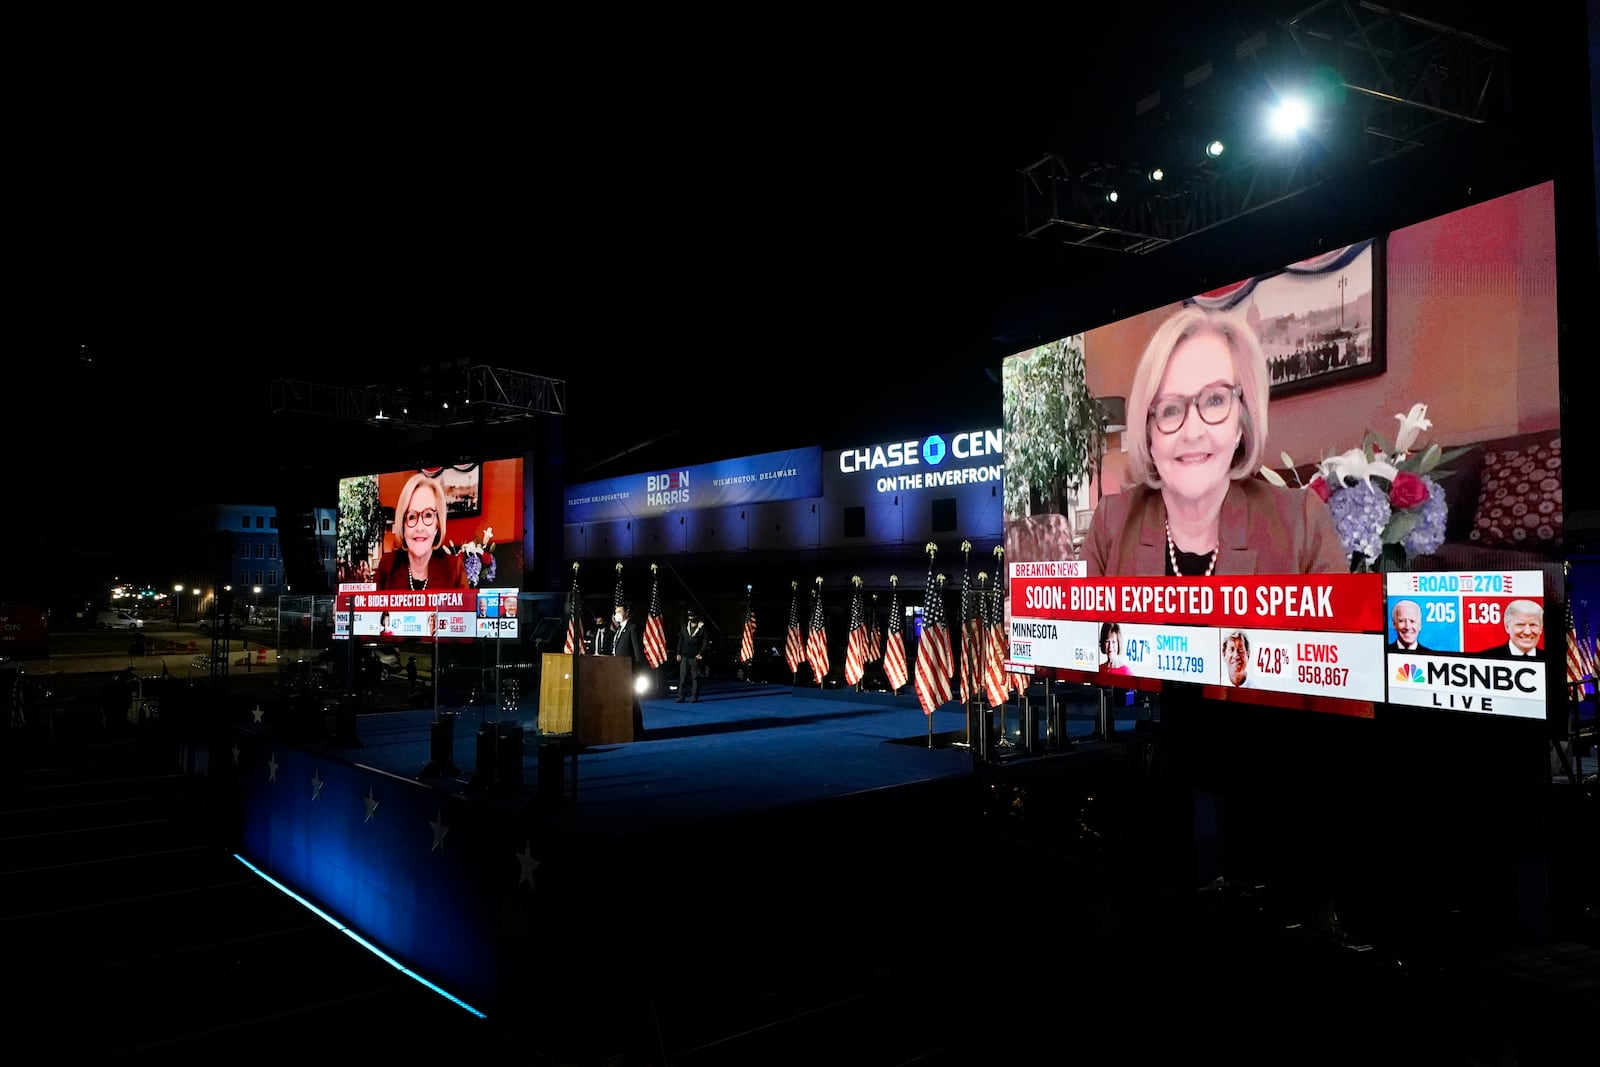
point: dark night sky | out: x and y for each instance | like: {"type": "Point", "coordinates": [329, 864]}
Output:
{"type": "Point", "coordinates": [725, 237]}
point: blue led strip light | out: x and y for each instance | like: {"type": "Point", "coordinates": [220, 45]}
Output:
{"type": "Point", "coordinates": [357, 938]}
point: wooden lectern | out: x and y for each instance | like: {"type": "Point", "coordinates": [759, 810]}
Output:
{"type": "Point", "coordinates": [605, 698]}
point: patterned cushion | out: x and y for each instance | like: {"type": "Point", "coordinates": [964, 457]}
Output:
{"type": "Point", "coordinates": [1519, 500]}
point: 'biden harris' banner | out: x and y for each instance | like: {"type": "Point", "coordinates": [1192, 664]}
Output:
{"type": "Point", "coordinates": [792, 475]}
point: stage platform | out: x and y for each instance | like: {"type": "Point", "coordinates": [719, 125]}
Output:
{"type": "Point", "coordinates": [534, 868]}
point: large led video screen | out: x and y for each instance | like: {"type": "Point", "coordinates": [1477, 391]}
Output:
{"type": "Point", "coordinates": [1333, 486]}
{"type": "Point", "coordinates": [431, 553]}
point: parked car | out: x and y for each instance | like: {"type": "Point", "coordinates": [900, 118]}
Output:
{"type": "Point", "coordinates": [118, 620]}
{"type": "Point", "coordinates": [387, 658]}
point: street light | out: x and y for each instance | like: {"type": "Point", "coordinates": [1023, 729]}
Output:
{"type": "Point", "coordinates": [255, 606]}
{"type": "Point", "coordinates": [177, 602]}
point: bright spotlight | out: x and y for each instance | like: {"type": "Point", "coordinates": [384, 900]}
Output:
{"type": "Point", "coordinates": [1214, 149]}
{"type": "Point", "coordinates": [1289, 117]}
{"type": "Point", "coordinates": [1111, 196]}
{"type": "Point", "coordinates": [1156, 174]}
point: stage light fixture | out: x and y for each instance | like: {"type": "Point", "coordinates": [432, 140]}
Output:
{"type": "Point", "coordinates": [1156, 174]}
{"type": "Point", "coordinates": [1214, 149]}
{"type": "Point", "coordinates": [1289, 117]}
{"type": "Point", "coordinates": [1111, 196]}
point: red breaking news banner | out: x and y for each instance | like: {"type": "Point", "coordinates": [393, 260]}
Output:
{"type": "Point", "coordinates": [1351, 603]}
{"type": "Point", "coordinates": [1306, 641]}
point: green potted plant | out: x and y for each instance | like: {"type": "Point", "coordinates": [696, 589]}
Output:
{"type": "Point", "coordinates": [360, 525]}
{"type": "Point", "coordinates": [1054, 429]}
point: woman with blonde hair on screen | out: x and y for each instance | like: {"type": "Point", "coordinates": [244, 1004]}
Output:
{"type": "Point", "coordinates": [1195, 506]}
{"type": "Point", "coordinates": [420, 561]}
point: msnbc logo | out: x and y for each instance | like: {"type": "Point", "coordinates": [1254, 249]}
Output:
{"type": "Point", "coordinates": [1409, 672]}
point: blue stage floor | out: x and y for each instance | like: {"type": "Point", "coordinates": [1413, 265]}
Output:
{"type": "Point", "coordinates": [740, 750]}
{"type": "Point", "coordinates": [459, 876]}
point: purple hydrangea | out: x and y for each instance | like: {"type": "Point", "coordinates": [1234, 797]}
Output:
{"type": "Point", "coordinates": [1360, 512]}
{"type": "Point", "coordinates": [488, 575]}
{"type": "Point", "coordinates": [1428, 534]}
{"type": "Point", "coordinates": [473, 565]}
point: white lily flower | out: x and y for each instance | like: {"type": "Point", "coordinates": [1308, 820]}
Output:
{"type": "Point", "coordinates": [1411, 424]}
{"type": "Point", "coordinates": [1336, 470]}
{"type": "Point", "coordinates": [488, 534]}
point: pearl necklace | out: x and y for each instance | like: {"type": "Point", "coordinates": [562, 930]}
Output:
{"type": "Point", "coordinates": [412, 582]}
{"type": "Point", "coordinates": [1172, 557]}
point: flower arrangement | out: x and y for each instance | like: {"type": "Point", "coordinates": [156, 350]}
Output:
{"type": "Point", "coordinates": [478, 561]}
{"type": "Point", "coordinates": [1386, 501]}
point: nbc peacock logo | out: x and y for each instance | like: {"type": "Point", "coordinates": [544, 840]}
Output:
{"type": "Point", "coordinates": [1409, 672]}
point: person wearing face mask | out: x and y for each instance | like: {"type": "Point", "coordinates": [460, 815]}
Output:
{"type": "Point", "coordinates": [600, 637]}
{"type": "Point", "coordinates": [1194, 506]}
{"type": "Point", "coordinates": [628, 641]}
{"type": "Point", "coordinates": [420, 561]}
{"type": "Point", "coordinates": [691, 647]}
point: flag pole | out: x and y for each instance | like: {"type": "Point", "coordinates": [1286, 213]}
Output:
{"type": "Point", "coordinates": [577, 656]}
{"type": "Point", "coordinates": [967, 744]}
{"type": "Point", "coordinates": [966, 668]}
{"type": "Point", "coordinates": [931, 550]}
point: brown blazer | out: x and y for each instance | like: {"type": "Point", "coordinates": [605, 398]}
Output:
{"type": "Point", "coordinates": [1264, 530]}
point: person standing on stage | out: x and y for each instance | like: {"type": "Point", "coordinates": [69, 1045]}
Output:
{"type": "Point", "coordinates": [629, 641]}
{"type": "Point", "coordinates": [691, 647]}
{"type": "Point", "coordinates": [601, 640]}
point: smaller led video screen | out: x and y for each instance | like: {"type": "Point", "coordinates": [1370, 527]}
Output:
{"type": "Point", "coordinates": [434, 553]}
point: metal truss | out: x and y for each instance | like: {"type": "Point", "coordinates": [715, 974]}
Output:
{"type": "Point", "coordinates": [1406, 82]}
{"type": "Point", "coordinates": [482, 395]}
{"type": "Point", "coordinates": [1420, 78]}
{"type": "Point", "coordinates": [1073, 202]}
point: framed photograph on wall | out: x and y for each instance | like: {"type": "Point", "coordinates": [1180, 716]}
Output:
{"type": "Point", "coordinates": [1321, 320]}
{"type": "Point", "coordinates": [463, 490]}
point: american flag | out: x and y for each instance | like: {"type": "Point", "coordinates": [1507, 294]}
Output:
{"type": "Point", "coordinates": [1586, 640]}
{"type": "Point", "coordinates": [971, 634]}
{"type": "Point", "coordinates": [617, 598]}
{"type": "Point", "coordinates": [874, 633]}
{"type": "Point", "coordinates": [574, 618]}
{"type": "Point", "coordinates": [1577, 668]}
{"type": "Point", "coordinates": [1018, 682]}
{"type": "Point", "coordinates": [747, 643]}
{"type": "Point", "coordinates": [894, 646]}
{"type": "Point", "coordinates": [933, 650]}
{"type": "Point", "coordinates": [655, 636]}
{"type": "Point", "coordinates": [855, 649]}
{"type": "Point", "coordinates": [794, 647]}
{"type": "Point", "coordinates": [996, 683]}
{"type": "Point", "coordinates": [817, 640]}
